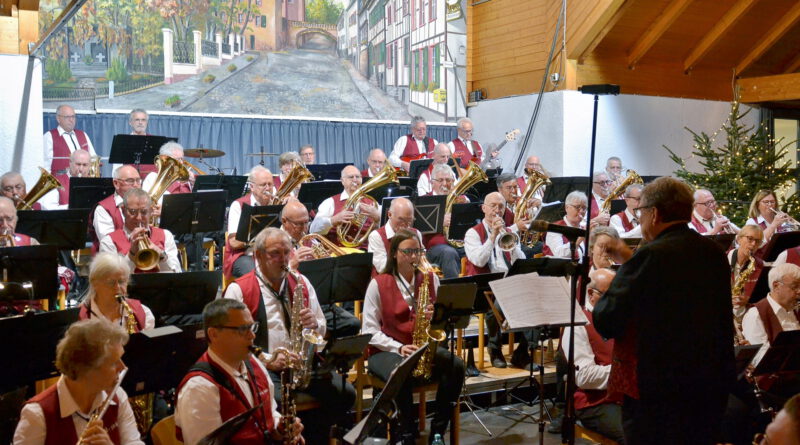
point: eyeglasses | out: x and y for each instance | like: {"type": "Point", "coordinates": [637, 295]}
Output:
{"type": "Point", "coordinates": [114, 283]}
{"type": "Point", "coordinates": [638, 210]}
{"type": "Point", "coordinates": [412, 252]}
{"type": "Point", "coordinates": [71, 116]}
{"type": "Point", "coordinates": [769, 202]}
{"type": "Point", "coordinates": [751, 239]}
{"type": "Point", "coordinates": [242, 330]}
{"type": "Point", "coordinates": [465, 131]}
{"type": "Point", "coordinates": [446, 180]}
{"type": "Point", "coordinates": [134, 212]}
{"type": "Point", "coordinates": [298, 223]}
{"type": "Point", "coordinates": [255, 186]}
{"type": "Point", "coordinates": [606, 182]}
{"type": "Point", "coordinates": [635, 198]}
{"type": "Point", "coordinates": [580, 208]}
{"type": "Point", "coordinates": [710, 203]}
{"type": "Point", "coordinates": [131, 181]}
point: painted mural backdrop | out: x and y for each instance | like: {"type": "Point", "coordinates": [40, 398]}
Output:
{"type": "Point", "coordinates": [357, 59]}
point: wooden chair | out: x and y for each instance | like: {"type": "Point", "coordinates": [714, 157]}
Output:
{"type": "Point", "coordinates": [583, 433]}
{"type": "Point", "coordinates": [163, 433]}
{"type": "Point", "coordinates": [208, 245]}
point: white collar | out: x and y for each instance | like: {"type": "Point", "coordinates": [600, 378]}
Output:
{"type": "Point", "coordinates": [760, 219]}
{"type": "Point", "coordinates": [630, 215]}
{"type": "Point", "coordinates": [776, 307]}
{"type": "Point", "coordinates": [67, 404]}
{"type": "Point", "coordinates": [62, 131]}
{"type": "Point", "coordinates": [588, 306]}
{"type": "Point", "coordinates": [700, 218]}
{"type": "Point", "coordinates": [344, 195]}
{"type": "Point", "coordinates": [242, 371]}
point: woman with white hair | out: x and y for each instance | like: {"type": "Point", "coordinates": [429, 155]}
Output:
{"type": "Point", "coordinates": [557, 245]}
{"type": "Point", "coordinates": [286, 162]}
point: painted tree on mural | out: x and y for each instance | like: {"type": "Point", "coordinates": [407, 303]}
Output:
{"type": "Point", "coordinates": [323, 11]}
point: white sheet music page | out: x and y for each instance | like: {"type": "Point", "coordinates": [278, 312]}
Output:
{"type": "Point", "coordinates": [530, 300]}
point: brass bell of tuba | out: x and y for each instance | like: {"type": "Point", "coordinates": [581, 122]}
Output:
{"type": "Point", "coordinates": [169, 171]}
{"type": "Point", "coordinates": [632, 178]}
{"type": "Point", "coordinates": [355, 233]}
{"type": "Point", "coordinates": [473, 175]}
{"type": "Point", "coordinates": [522, 211]}
{"type": "Point", "coordinates": [44, 185]}
{"type": "Point", "coordinates": [296, 177]}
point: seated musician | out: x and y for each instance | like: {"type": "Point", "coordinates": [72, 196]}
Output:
{"type": "Point", "coordinates": [601, 188]}
{"type": "Point", "coordinates": [600, 241]}
{"type": "Point", "coordinates": [748, 240]}
{"type": "Point", "coordinates": [441, 154]}
{"type": "Point", "coordinates": [237, 261]}
{"type": "Point", "coordinates": [285, 162]}
{"type": "Point", "coordinates": [58, 199]}
{"type": "Point", "coordinates": [375, 162]}
{"type": "Point", "coordinates": [594, 407]}
{"type": "Point", "coordinates": [175, 151]}
{"type": "Point", "coordinates": [332, 213]}
{"type": "Point", "coordinates": [307, 155]}
{"type": "Point", "coordinates": [221, 384]}
{"type": "Point", "coordinates": [705, 219]}
{"type": "Point", "coordinates": [556, 244]}
{"type": "Point", "coordinates": [439, 250]}
{"type": "Point", "coordinates": [464, 148]}
{"type": "Point", "coordinates": [109, 274]}
{"type": "Point", "coordinates": [415, 145]}
{"type": "Point", "coordinates": [137, 207]}
{"type": "Point", "coordinates": [625, 222]}
{"type": "Point", "coordinates": [391, 297]}
{"type": "Point", "coordinates": [108, 215]}
{"type": "Point", "coordinates": [12, 186]}
{"type": "Point", "coordinates": [533, 163]}
{"type": "Point", "coordinates": [8, 226]}
{"type": "Point", "coordinates": [485, 255]}
{"type": "Point", "coordinates": [268, 292]}
{"type": "Point", "coordinates": [400, 216]}
{"type": "Point", "coordinates": [764, 213]}
{"type": "Point", "coordinates": [508, 187]}
{"type": "Point", "coordinates": [89, 358]}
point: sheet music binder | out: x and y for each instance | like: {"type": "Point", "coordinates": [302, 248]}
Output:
{"type": "Point", "coordinates": [255, 219]}
{"type": "Point", "coordinates": [85, 193]}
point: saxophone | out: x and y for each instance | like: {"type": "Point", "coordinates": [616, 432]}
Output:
{"type": "Point", "coordinates": [141, 405]}
{"type": "Point", "coordinates": [738, 289]}
{"type": "Point", "coordinates": [422, 330]}
{"type": "Point", "coordinates": [302, 341]}
{"type": "Point", "coordinates": [522, 211]}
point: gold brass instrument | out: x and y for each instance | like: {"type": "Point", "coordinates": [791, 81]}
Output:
{"type": "Point", "coordinates": [146, 256]}
{"type": "Point", "coordinates": [7, 239]}
{"type": "Point", "coordinates": [791, 225]}
{"type": "Point", "coordinates": [193, 167]}
{"type": "Point", "coordinates": [507, 241]}
{"type": "Point", "coordinates": [101, 410]}
{"type": "Point", "coordinates": [522, 211]}
{"type": "Point", "coordinates": [169, 171]}
{"type": "Point", "coordinates": [130, 318]}
{"type": "Point", "coordinates": [94, 167]}
{"type": "Point", "coordinates": [738, 289]}
{"type": "Point", "coordinates": [422, 330]}
{"type": "Point", "coordinates": [473, 175]}
{"type": "Point", "coordinates": [296, 177]}
{"type": "Point", "coordinates": [323, 247]}
{"type": "Point", "coordinates": [355, 232]}
{"type": "Point", "coordinates": [727, 229]}
{"type": "Point", "coordinates": [44, 185]}
{"type": "Point", "coordinates": [632, 178]}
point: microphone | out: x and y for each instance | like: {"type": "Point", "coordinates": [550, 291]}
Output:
{"type": "Point", "coordinates": [572, 233]}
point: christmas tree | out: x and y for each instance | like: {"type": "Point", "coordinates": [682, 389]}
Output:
{"type": "Point", "coordinates": [749, 161]}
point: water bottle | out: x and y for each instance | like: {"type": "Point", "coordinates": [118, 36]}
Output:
{"type": "Point", "coordinates": [437, 440]}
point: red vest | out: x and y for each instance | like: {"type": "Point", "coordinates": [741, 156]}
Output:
{"type": "Point", "coordinates": [251, 292]}
{"type": "Point", "coordinates": [522, 183]}
{"type": "Point", "coordinates": [412, 149]}
{"type": "Point", "coordinates": [698, 225]}
{"type": "Point", "coordinates": [123, 245]}
{"type": "Point", "coordinates": [338, 206]}
{"type": "Point", "coordinates": [753, 279]}
{"type": "Point", "coordinates": [771, 324]}
{"type": "Point", "coordinates": [472, 269]}
{"type": "Point", "coordinates": [397, 321]}
{"type": "Point", "coordinates": [546, 250]}
{"type": "Point", "coordinates": [136, 306]}
{"type": "Point", "coordinates": [63, 192]}
{"type": "Point", "coordinates": [595, 207]}
{"type": "Point", "coordinates": [508, 217]}
{"type": "Point", "coordinates": [602, 349]}
{"type": "Point", "coordinates": [61, 150]}
{"type": "Point", "coordinates": [624, 378]}
{"type": "Point", "coordinates": [111, 208]}
{"type": "Point", "coordinates": [626, 223]}
{"type": "Point", "coordinates": [253, 432]}
{"type": "Point", "coordinates": [179, 187]}
{"type": "Point", "coordinates": [61, 430]}
{"type": "Point", "coordinates": [464, 156]}
{"type": "Point", "coordinates": [21, 239]}
{"type": "Point", "coordinates": [230, 255]}
{"type": "Point", "coordinates": [793, 255]}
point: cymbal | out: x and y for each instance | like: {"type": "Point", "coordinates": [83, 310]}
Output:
{"type": "Point", "coordinates": [263, 154]}
{"type": "Point", "coordinates": [203, 153]}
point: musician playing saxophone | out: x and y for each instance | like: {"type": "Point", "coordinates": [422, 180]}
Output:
{"type": "Point", "coordinates": [389, 315]}
{"type": "Point", "coordinates": [332, 211]}
{"type": "Point", "coordinates": [89, 358]}
{"type": "Point", "coordinates": [268, 292]}
{"type": "Point", "coordinates": [748, 240]}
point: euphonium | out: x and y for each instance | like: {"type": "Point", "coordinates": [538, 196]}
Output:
{"type": "Point", "coordinates": [146, 257]}
{"type": "Point", "coordinates": [94, 167]}
{"type": "Point", "coordinates": [473, 175]}
{"type": "Point", "coordinates": [355, 233]}
{"type": "Point", "coordinates": [169, 171]}
{"type": "Point", "coordinates": [323, 247]}
{"type": "Point", "coordinates": [7, 238]}
{"type": "Point", "coordinates": [522, 211]}
{"type": "Point", "coordinates": [296, 177]}
{"type": "Point", "coordinates": [632, 178]}
{"type": "Point", "coordinates": [422, 330]}
{"type": "Point", "coordinates": [45, 183]}
{"type": "Point", "coordinates": [101, 410]}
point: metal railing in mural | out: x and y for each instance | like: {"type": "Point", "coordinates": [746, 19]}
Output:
{"type": "Point", "coordinates": [226, 48]}
{"type": "Point", "coordinates": [183, 52]}
{"type": "Point", "coordinates": [209, 48]}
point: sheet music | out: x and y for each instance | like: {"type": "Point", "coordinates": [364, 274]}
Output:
{"type": "Point", "coordinates": [531, 300]}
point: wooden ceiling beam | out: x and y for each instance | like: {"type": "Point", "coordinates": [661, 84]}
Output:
{"type": "Point", "coordinates": [594, 27]}
{"type": "Point", "coordinates": [793, 64]}
{"type": "Point", "coordinates": [770, 38]}
{"type": "Point", "coordinates": [780, 87]}
{"type": "Point", "coordinates": [713, 36]}
{"type": "Point", "coordinates": [656, 30]}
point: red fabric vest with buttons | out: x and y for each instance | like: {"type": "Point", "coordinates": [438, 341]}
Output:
{"type": "Point", "coordinates": [136, 306]}
{"type": "Point", "coordinates": [626, 223]}
{"type": "Point", "coordinates": [110, 206]}
{"type": "Point", "coordinates": [472, 269]}
{"type": "Point", "coordinates": [397, 319]}
{"type": "Point", "coordinates": [21, 240]}
{"type": "Point", "coordinates": [753, 279]}
{"type": "Point", "coordinates": [508, 217]}
{"type": "Point", "coordinates": [179, 187]}
{"type": "Point", "coordinates": [63, 192]}
{"type": "Point", "coordinates": [773, 327]}
{"type": "Point", "coordinates": [231, 255]}
{"type": "Point", "coordinates": [251, 291]}
{"type": "Point", "coordinates": [464, 156]}
{"type": "Point", "coordinates": [338, 206]}
{"type": "Point", "coordinates": [61, 430]}
{"type": "Point", "coordinates": [412, 149]}
{"type": "Point", "coordinates": [253, 432]}
{"type": "Point", "coordinates": [585, 398]}
{"type": "Point", "coordinates": [546, 250]}
{"type": "Point", "coordinates": [522, 183]}
{"type": "Point", "coordinates": [595, 208]}
{"type": "Point", "coordinates": [698, 225]}
{"type": "Point", "coordinates": [123, 245]}
{"type": "Point", "coordinates": [61, 149]}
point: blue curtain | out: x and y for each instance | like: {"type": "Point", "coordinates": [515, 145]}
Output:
{"type": "Point", "coordinates": [334, 141]}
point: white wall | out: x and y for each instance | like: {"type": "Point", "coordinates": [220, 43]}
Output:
{"type": "Point", "coordinates": [631, 127]}
{"type": "Point", "coordinates": [21, 101]}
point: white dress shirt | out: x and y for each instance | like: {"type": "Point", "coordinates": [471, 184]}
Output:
{"type": "Point", "coordinates": [590, 375]}
{"type": "Point", "coordinates": [424, 185]}
{"type": "Point", "coordinates": [31, 429]}
{"type": "Point", "coordinates": [480, 254]}
{"type": "Point", "coordinates": [709, 224]}
{"type": "Point", "coordinates": [616, 223]}
{"type": "Point", "coordinates": [400, 147]}
{"type": "Point", "coordinates": [103, 224]}
{"type": "Point", "coordinates": [235, 213]}
{"type": "Point", "coordinates": [197, 412]}
{"type": "Point", "coordinates": [754, 331]}
{"type": "Point", "coordinates": [275, 327]}
{"type": "Point", "coordinates": [468, 144]}
{"type": "Point", "coordinates": [558, 247]}
{"type": "Point", "coordinates": [72, 143]}
{"type": "Point", "coordinates": [149, 318]}
{"type": "Point", "coordinates": [169, 264]}
{"type": "Point", "coordinates": [371, 314]}
{"type": "Point", "coordinates": [322, 220]}
{"type": "Point", "coordinates": [378, 249]}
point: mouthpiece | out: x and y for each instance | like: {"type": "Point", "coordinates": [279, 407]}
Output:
{"type": "Point", "coordinates": [255, 350]}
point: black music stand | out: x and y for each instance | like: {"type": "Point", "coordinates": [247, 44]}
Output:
{"type": "Point", "coordinates": [744, 354]}
{"type": "Point", "coordinates": [65, 229]}
{"type": "Point", "coordinates": [723, 240]}
{"type": "Point", "coordinates": [255, 219]}
{"type": "Point", "coordinates": [313, 193]}
{"type": "Point", "coordinates": [417, 167]}
{"type": "Point", "coordinates": [135, 150]}
{"type": "Point", "coordinates": [341, 353]}
{"type": "Point", "coordinates": [37, 264]}
{"type": "Point", "coordinates": [194, 212]}
{"type": "Point", "coordinates": [464, 217]}
{"type": "Point", "coordinates": [429, 213]}
{"type": "Point", "coordinates": [778, 243]}
{"type": "Point", "coordinates": [481, 189]}
{"type": "Point", "coordinates": [223, 434]}
{"type": "Point", "coordinates": [551, 212]}
{"type": "Point", "coordinates": [236, 186]}
{"type": "Point", "coordinates": [175, 298]}
{"type": "Point", "coordinates": [617, 205]}
{"type": "Point", "coordinates": [85, 193]}
{"type": "Point", "coordinates": [31, 340]}
{"type": "Point", "coordinates": [323, 172]}
{"type": "Point", "coordinates": [560, 187]}
{"type": "Point", "coordinates": [762, 286]}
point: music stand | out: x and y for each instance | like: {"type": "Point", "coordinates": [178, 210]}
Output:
{"type": "Point", "coordinates": [236, 186]}
{"type": "Point", "coordinates": [744, 356]}
{"type": "Point", "coordinates": [194, 212]}
{"type": "Point", "coordinates": [254, 219]}
{"type": "Point", "coordinates": [134, 149]}
{"type": "Point", "coordinates": [323, 172]}
{"type": "Point", "coordinates": [65, 229]}
{"type": "Point", "coordinates": [464, 217]}
{"type": "Point", "coordinates": [175, 298]}
{"type": "Point", "coordinates": [617, 205]}
{"type": "Point", "coordinates": [723, 240]}
{"type": "Point", "coordinates": [223, 434]}
{"type": "Point", "coordinates": [778, 243]}
{"type": "Point", "coordinates": [341, 353]}
{"type": "Point", "coordinates": [429, 213]}
{"type": "Point", "coordinates": [559, 188]}
{"type": "Point", "coordinates": [37, 264]}
{"type": "Point", "coordinates": [31, 341]}
{"type": "Point", "coordinates": [551, 212]}
{"type": "Point", "coordinates": [85, 193]}
{"type": "Point", "coordinates": [481, 189]}
{"type": "Point", "coordinates": [313, 193]}
{"type": "Point", "coordinates": [481, 281]}
{"type": "Point", "coordinates": [417, 167]}
{"type": "Point", "coordinates": [781, 359]}
{"type": "Point", "coordinates": [379, 414]}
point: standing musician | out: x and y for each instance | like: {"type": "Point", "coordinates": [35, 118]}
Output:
{"type": "Point", "coordinates": [614, 171]}
{"type": "Point", "coordinates": [13, 187]}
{"type": "Point", "coordinates": [8, 225]}
{"type": "Point", "coordinates": [508, 187]}
{"type": "Point", "coordinates": [375, 162]}
{"type": "Point", "coordinates": [108, 278]}
{"type": "Point", "coordinates": [464, 148]}
{"type": "Point", "coordinates": [331, 212]}
{"type": "Point", "coordinates": [390, 314]}
{"type": "Point", "coordinates": [400, 216]}
{"type": "Point", "coordinates": [764, 213]}
{"type": "Point", "coordinates": [268, 291]}
{"type": "Point", "coordinates": [227, 381]}
{"type": "Point", "coordinates": [625, 222]}
{"type": "Point", "coordinates": [556, 244]}
{"type": "Point", "coordinates": [236, 262]}
{"type": "Point", "coordinates": [61, 141]}
{"type": "Point", "coordinates": [705, 219]}
{"type": "Point", "coordinates": [441, 154]}
{"type": "Point", "coordinates": [58, 199]}
{"type": "Point", "coordinates": [89, 358]}
{"type": "Point", "coordinates": [137, 120]}
{"type": "Point", "coordinates": [108, 215]}
{"type": "Point", "coordinates": [533, 163]}
{"type": "Point", "coordinates": [748, 240]}
{"type": "Point", "coordinates": [307, 155]}
{"type": "Point", "coordinates": [415, 145]}
{"type": "Point", "coordinates": [138, 208]}
{"type": "Point", "coordinates": [285, 162]}
{"type": "Point", "coordinates": [601, 187]}
{"type": "Point", "coordinates": [439, 250]}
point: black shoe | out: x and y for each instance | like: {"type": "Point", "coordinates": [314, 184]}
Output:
{"type": "Point", "coordinates": [498, 361]}
{"type": "Point", "coordinates": [522, 359]}
{"type": "Point", "coordinates": [555, 425]}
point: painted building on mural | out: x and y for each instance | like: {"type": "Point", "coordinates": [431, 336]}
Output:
{"type": "Point", "coordinates": [265, 30]}
{"type": "Point", "coordinates": [398, 48]}
{"type": "Point", "coordinates": [376, 46]}
{"type": "Point", "coordinates": [294, 10]}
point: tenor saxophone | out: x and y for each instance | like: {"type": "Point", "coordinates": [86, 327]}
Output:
{"type": "Point", "coordinates": [738, 289]}
{"type": "Point", "coordinates": [302, 341]}
{"type": "Point", "coordinates": [422, 330]}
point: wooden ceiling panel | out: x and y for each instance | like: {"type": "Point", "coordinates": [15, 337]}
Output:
{"type": "Point", "coordinates": [779, 57]}
{"type": "Point", "coordinates": [632, 25]}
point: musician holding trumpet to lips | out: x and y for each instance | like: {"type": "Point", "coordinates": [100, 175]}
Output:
{"type": "Point", "coordinates": [705, 218]}
{"type": "Point", "coordinates": [765, 214]}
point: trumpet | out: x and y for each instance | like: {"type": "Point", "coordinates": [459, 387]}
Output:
{"type": "Point", "coordinates": [728, 229]}
{"type": "Point", "coordinates": [7, 238]}
{"type": "Point", "coordinates": [146, 256]}
{"type": "Point", "coordinates": [101, 410]}
{"type": "Point", "coordinates": [506, 241]}
{"type": "Point", "coordinates": [791, 225]}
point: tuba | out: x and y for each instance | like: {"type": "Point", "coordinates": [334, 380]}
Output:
{"type": "Point", "coordinates": [472, 176]}
{"type": "Point", "coordinates": [296, 177]}
{"type": "Point", "coordinates": [44, 185]}
{"type": "Point", "coordinates": [169, 171]}
{"type": "Point", "coordinates": [355, 233]}
{"type": "Point", "coordinates": [422, 332]}
{"type": "Point", "coordinates": [632, 178]}
{"type": "Point", "coordinates": [536, 180]}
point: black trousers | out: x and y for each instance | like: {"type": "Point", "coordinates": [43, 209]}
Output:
{"type": "Point", "coordinates": [675, 421]}
{"type": "Point", "coordinates": [447, 372]}
{"type": "Point", "coordinates": [605, 419]}
{"type": "Point", "coordinates": [340, 322]}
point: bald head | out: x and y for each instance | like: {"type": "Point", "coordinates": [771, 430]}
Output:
{"type": "Point", "coordinates": [294, 218]}
{"type": "Point", "coordinates": [534, 163]}
{"type": "Point", "coordinates": [401, 214]}
{"type": "Point", "coordinates": [441, 153]}
{"type": "Point", "coordinates": [126, 178]}
{"type": "Point", "coordinates": [351, 178]}
{"type": "Point", "coordinates": [8, 215]}
{"type": "Point", "coordinates": [13, 185]}
{"type": "Point", "coordinates": [79, 163]}
{"type": "Point", "coordinates": [600, 281]}
{"type": "Point", "coordinates": [494, 206]}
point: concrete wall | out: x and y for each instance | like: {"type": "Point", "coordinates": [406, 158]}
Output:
{"type": "Point", "coordinates": [21, 126]}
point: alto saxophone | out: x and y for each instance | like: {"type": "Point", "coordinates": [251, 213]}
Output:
{"type": "Point", "coordinates": [141, 405]}
{"type": "Point", "coordinates": [736, 290]}
{"type": "Point", "coordinates": [422, 330]}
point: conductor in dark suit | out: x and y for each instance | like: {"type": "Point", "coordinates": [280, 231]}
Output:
{"type": "Point", "coordinates": [669, 312]}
